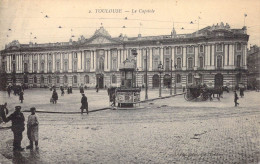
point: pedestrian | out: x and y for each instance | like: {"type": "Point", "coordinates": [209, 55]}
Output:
{"type": "Point", "coordinates": [54, 96]}
{"type": "Point", "coordinates": [9, 91]}
{"type": "Point", "coordinates": [62, 92]}
{"type": "Point", "coordinates": [84, 103]}
{"type": "Point", "coordinates": [68, 90]}
{"type": "Point", "coordinates": [33, 129]}
{"type": "Point", "coordinates": [241, 92]}
{"type": "Point", "coordinates": [236, 98]}
{"type": "Point", "coordinates": [21, 97]}
{"type": "Point", "coordinates": [81, 90]}
{"type": "Point", "coordinates": [96, 88]}
{"type": "Point", "coordinates": [17, 119]}
{"type": "Point", "coordinates": [71, 89]}
{"type": "Point", "coordinates": [3, 108]}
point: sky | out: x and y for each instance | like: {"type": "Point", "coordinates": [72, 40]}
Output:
{"type": "Point", "coordinates": [39, 21]}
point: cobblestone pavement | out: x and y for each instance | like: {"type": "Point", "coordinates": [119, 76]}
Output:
{"type": "Point", "coordinates": [168, 130]}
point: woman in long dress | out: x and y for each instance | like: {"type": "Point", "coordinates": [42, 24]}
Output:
{"type": "Point", "coordinates": [33, 129]}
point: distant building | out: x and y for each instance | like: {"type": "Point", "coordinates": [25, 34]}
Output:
{"type": "Point", "coordinates": [253, 61]}
{"type": "Point", "coordinates": [215, 55]}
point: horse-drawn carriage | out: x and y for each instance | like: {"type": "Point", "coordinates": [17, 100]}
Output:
{"type": "Point", "coordinates": [202, 93]}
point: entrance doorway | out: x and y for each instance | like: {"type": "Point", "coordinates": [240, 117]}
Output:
{"type": "Point", "coordinates": [100, 80]}
{"type": "Point", "coordinates": [155, 81]}
{"type": "Point", "coordinates": [218, 80]}
{"type": "Point", "coordinates": [167, 81]}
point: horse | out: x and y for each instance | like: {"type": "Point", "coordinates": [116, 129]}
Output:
{"type": "Point", "coordinates": [216, 90]}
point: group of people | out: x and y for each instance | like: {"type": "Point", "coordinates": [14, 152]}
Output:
{"type": "Point", "coordinates": [18, 90]}
{"type": "Point", "coordinates": [18, 126]}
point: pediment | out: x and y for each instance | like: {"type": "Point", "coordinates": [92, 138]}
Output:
{"type": "Point", "coordinates": [101, 40]}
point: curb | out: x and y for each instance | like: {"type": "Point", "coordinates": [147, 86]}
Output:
{"type": "Point", "coordinates": [96, 110]}
{"type": "Point", "coordinates": [161, 98]}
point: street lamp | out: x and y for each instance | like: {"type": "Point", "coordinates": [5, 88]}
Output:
{"type": "Point", "coordinates": [171, 80]}
{"type": "Point", "coordinates": [146, 81]}
{"type": "Point", "coordinates": [160, 70]}
{"type": "Point", "coordinates": [175, 66]}
{"type": "Point", "coordinates": [134, 53]}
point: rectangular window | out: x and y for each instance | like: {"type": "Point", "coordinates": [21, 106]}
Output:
{"type": "Point", "coordinates": [239, 47]}
{"type": "Point", "coordinates": [178, 50]}
{"type": "Point", "coordinates": [167, 50]}
{"type": "Point", "coordinates": [190, 63]}
{"type": "Point", "coordinates": [201, 49]}
{"type": "Point", "coordinates": [178, 62]}
{"type": "Point", "coordinates": [219, 48]}
{"type": "Point", "coordinates": [190, 49]}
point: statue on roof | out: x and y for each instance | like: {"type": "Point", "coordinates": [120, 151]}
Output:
{"type": "Point", "coordinates": [102, 31]}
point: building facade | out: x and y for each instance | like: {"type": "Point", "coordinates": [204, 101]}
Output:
{"type": "Point", "coordinates": [253, 61]}
{"type": "Point", "coordinates": [216, 55]}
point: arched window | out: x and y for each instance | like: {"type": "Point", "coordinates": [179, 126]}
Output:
{"type": "Point", "coordinates": [189, 78]}
{"type": "Point", "coordinates": [65, 66]}
{"type": "Point", "coordinates": [86, 79]}
{"type": "Point", "coordinates": [219, 61]}
{"type": "Point", "coordinates": [35, 67]}
{"type": "Point", "coordinates": [65, 78]}
{"type": "Point", "coordinates": [75, 80]}
{"type": "Point", "coordinates": [178, 80]}
{"type": "Point", "coordinates": [113, 79]}
{"type": "Point", "coordinates": [238, 60]}
{"type": "Point", "coordinates": [42, 66]}
{"type": "Point", "coordinates": [75, 66]}
{"type": "Point", "coordinates": [101, 64]}
{"type": "Point", "coordinates": [57, 79]}
{"type": "Point", "coordinates": [50, 66]}
{"type": "Point", "coordinates": [201, 49]}
{"type": "Point", "coordinates": [190, 63]}
{"type": "Point", "coordinates": [88, 65]}
{"type": "Point", "coordinates": [35, 79]}
{"type": "Point", "coordinates": [25, 67]}
{"type": "Point", "coordinates": [167, 64]}
{"type": "Point", "coordinates": [42, 79]}
{"type": "Point", "coordinates": [178, 62]}
{"type": "Point", "coordinates": [201, 62]}
{"type": "Point", "coordinates": [155, 64]}
{"type": "Point", "coordinates": [114, 64]}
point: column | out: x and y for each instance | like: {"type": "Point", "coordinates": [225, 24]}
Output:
{"type": "Point", "coordinates": [78, 61]}
{"type": "Point", "coordinates": [150, 58]}
{"type": "Point", "coordinates": [244, 57]}
{"type": "Point", "coordinates": [173, 58]}
{"type": "Point", "coordinates": [231, 55]}
{"type": "Point", "coordinates": [105, 60]}
{"type": "Point", "coordinates": [21, 63]}
{"type": "Point", "coordinates": [39, 65]}
{"type": "Point", "coordinates": [196, 58]}
{"type": "Point", "coordinates": [8, 63]}
{"type": "Point", "coordinates": [31, 63]}
{"type": "Point", "coordinates": [226, 55]}
{"type": "Point", "coordinates": [95, 59]}
{"type": "Point", "coordinates": [70, 62]}
{"type": "Point", "coordinates": [161, 55]}
{"type": "Point", "coordinates": [213, 55]}
{"type": "Point", "coordinates": [53, 62]}
{"type": "Point", "coordinates": [184, 58]}
{"type": "Point", "coordinates": [45, 63]}
{"type": "Point", "coordinates": [109, 59]}
{"type": "Point", "coordinates": [17, 63]}
{"type": "Point", "coordinates": [61, 62]}
{"type": "Point", "coordinates": [118, 59]}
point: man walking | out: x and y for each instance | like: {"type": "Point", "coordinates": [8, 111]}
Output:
{"type": "Point", "coordinates": [17, 119]}
{"type": "Point", "coordinates": [54, 96]}
{"type": "Point", "coordinates": [21, 97]}
{"type": "Point", "coordinates": [84, 103]}
{"type": "Point", "coordinates": [236, 98]}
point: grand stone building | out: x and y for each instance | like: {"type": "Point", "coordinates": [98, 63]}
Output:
{"type": "Point", "coordinates": [215, 55]}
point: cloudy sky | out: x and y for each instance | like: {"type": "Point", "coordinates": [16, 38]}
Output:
{"type": "Point", "coordinates": [39, 21]}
